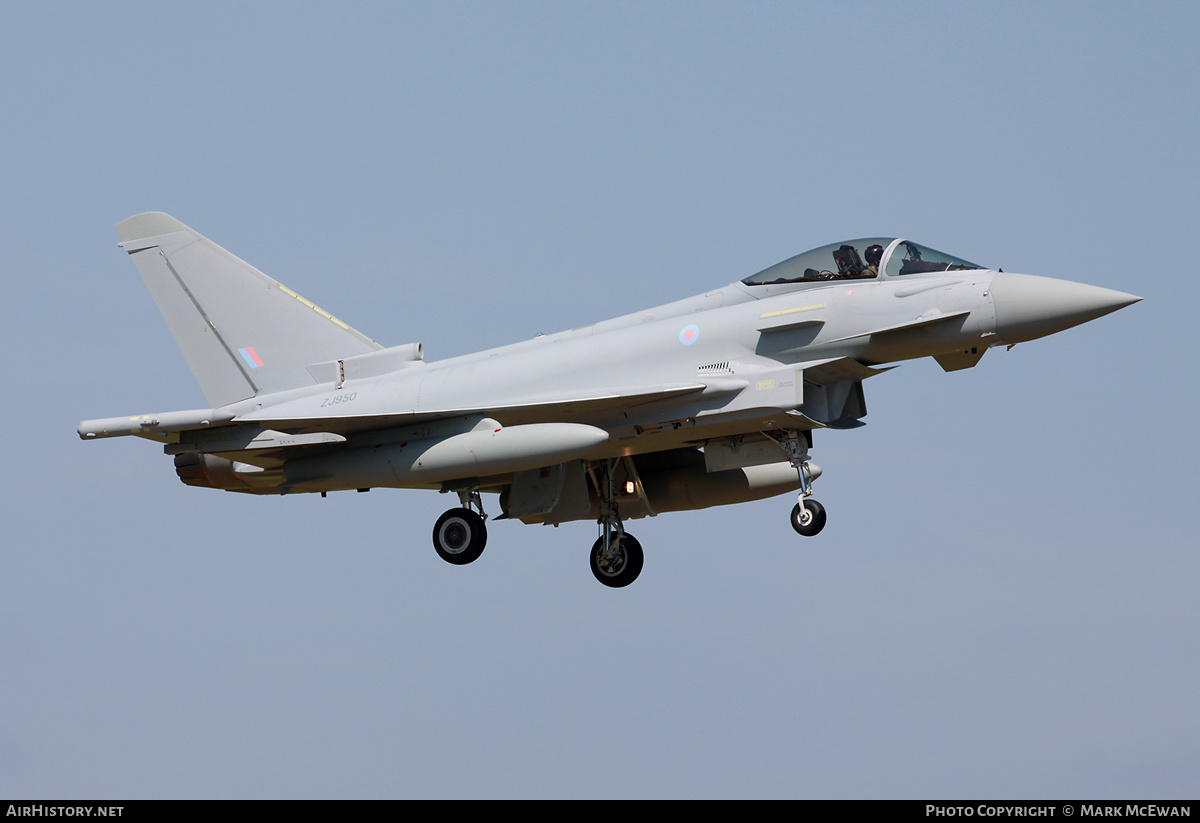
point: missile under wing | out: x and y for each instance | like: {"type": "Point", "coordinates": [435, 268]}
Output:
{"type": "Point", "coordinates": [707, 401]}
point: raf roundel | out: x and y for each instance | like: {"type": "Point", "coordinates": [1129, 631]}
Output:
{"type": "Point", "coordinates": [689, 335]}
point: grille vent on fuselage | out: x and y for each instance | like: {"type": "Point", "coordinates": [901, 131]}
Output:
{"type": "Point", "coordinates": [714, 369]}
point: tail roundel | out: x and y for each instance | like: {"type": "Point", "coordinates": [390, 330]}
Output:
{"type": "Point", "coordinates": [241, 332]}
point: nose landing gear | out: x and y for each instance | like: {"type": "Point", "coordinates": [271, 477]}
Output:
{"type": "Point", "coordinates": [808, 516]}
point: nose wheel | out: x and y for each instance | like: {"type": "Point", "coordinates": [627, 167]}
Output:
{"type": "Point", "coordinates": [808, 521]}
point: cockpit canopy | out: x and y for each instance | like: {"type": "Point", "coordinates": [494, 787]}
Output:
{"type": "Point", "coordinates": [857, 260]}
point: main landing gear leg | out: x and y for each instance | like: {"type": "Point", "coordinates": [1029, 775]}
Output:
{"type": "Point", "coordinates": [616, 557]}
{"type": "Point", "coordinates": [808, 516]}
{"type": "Point", "coordinates": [459, 536]}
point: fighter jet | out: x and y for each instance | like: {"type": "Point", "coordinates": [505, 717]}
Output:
{"type": "Point", "coordinates": [707, 401]}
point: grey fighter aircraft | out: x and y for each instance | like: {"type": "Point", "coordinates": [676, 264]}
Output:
{"type": "Point", "coordinates": [704, 402]}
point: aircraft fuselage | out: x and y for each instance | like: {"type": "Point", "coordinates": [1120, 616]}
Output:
{"type": "Point", "coordinates": [706, 401]}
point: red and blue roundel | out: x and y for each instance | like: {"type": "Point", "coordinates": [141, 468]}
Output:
{"type": "Point", "coordinates": [689, 335]}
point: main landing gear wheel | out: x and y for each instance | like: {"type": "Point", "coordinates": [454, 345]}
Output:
{"type": "Point", "coordinates": [459, 536]}
{"type": "Point", "coordinates": [811, 520]}
{"type": "Point", "coordinates": [619, 565]}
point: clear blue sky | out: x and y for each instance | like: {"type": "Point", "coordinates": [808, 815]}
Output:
{"type": "Point", "coordinates": [1003, 604]}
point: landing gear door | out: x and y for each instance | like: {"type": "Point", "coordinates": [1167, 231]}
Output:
{"type": "Point", "coordinates": [535, 492]}
{"type": "Point", "coordinates": [554, 494]}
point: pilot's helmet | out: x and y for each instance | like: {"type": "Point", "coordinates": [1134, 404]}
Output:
{"type": "Point", "coordinates": [873, 255]}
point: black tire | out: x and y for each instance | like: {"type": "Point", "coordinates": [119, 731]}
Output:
{"type": "Point", "coordinates": [623, 567]}
{"type": "Point", "coordinates": [811, 525]}
{"type": "Point", "coordinates": [459, 536]}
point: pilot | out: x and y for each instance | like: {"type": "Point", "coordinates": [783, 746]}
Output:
{"type": "Point", "coordinates": [873, 255]}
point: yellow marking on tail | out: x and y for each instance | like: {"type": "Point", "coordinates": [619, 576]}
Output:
{"type": "Point", "coordinates": [313, 306]}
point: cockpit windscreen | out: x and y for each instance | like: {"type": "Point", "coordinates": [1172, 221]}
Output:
{"type": "Point", "coordinates": [912, 258]}
{"type": "Point", "coordinates": [859, 260]}
{"type": "Point", "coordinates": [851, 260]}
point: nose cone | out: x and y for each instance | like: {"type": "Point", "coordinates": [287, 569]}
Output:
{"type": "Point", "coordinates": [1030, 307]}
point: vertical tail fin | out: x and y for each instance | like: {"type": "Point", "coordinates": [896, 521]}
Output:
{"type": "Point", "coordinates": [241, 332]}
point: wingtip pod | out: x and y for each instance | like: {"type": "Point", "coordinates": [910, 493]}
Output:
{"type": "Point", "coordinates": [148, 224]}
{"type": "Point", "coordinates": [153, 426]}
